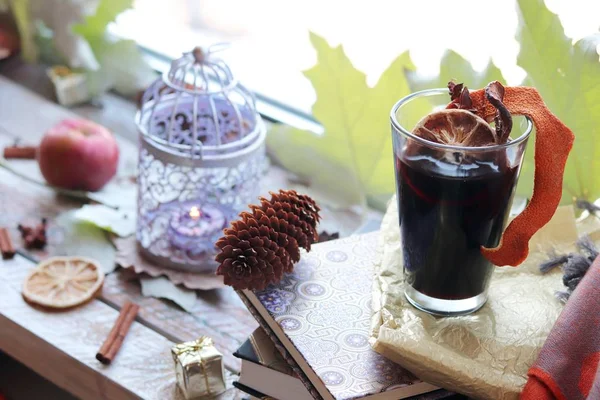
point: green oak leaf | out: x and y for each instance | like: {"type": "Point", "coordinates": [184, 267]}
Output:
{"type": "Point", "coordinates": [122, 66]}
{"type": "Point", "coordinates": [568, 78]}
{"type": "Point", "coordinates": [20, 9]}
{"type": "Point", "coordinates": [85, 239]}
{"type": "Point", "coordinates": [163, 288]}
{"type": "Point", "coordinates": [106, 12]}
{"type": "Point", "coordinates": [121, 222]}
{"type": "Point", "coordinates": [453, 66]}
{"type": "Point", "coordinates": [355, 150]}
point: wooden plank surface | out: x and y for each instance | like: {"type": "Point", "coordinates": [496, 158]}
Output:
{"type": "Point", "coordinates": [218, 313]}
{"type": "Point", "coordinates": [61, 346]}
{"type": "Point", "coordinates": [71, 339]}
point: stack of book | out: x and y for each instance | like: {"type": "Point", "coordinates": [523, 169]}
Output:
{"type": "Point", "coordinates": [315, 327]}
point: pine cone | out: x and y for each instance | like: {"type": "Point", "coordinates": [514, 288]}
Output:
{"type": "Point", "coordinates": [248, 261]}
{"type": "Point", "coordinates": [275, 234]}
{"type": "Point", "coordinates": [299, 230]}
{"type": "Point", "coordinates": [257, 249]}
{"type": "Point", "coordinates": [308, 209]}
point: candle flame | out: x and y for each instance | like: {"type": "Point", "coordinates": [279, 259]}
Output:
{"type": "Point", "coordinates": [195, 212]}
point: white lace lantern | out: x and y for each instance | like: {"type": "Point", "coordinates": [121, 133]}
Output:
{"type": "Point", "coordinates": [202, 152]}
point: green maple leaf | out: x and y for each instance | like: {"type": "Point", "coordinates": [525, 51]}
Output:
{"type": "Point", "coordinates": [453, 66]}
{"type": "Point", "coordinates": [568, 78]}
{"type": "Point", "coordinates": [354, 154]}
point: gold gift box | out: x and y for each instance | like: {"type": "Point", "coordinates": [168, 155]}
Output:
{"type": "Point", "coordinates": [199, 368]}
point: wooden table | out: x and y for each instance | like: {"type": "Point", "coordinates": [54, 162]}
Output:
{"type": "Point", "coordinates": [61, 346]}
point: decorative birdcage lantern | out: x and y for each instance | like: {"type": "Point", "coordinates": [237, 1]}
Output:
{"type": "Point", "coordinates": [202, 152]}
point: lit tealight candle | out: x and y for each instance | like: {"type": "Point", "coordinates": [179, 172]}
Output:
{"type": "Point", "coordinates": [195, 213]}
{"type": "Point", "coordinates": [193, 228]}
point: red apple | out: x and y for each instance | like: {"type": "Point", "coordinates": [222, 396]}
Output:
{"type": "Point", "coordinates": [78, 154]}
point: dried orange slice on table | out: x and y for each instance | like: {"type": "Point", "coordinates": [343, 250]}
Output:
{"type": "Point", "coordinates": [63, 282]}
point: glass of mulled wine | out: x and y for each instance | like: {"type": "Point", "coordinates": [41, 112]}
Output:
{"type": "Point", "coordinates": [452, 200]}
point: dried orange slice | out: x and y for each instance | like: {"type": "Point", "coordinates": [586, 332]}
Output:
{"type": "Point", "coordinates": [63, 282]}
{"type": "Point", "coordinates": [456, 128]}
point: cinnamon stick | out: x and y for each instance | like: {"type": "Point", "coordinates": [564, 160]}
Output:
{"type": "Point", "coordinates": [115, 338]}
{"type": "Point", "coordinates": [6, 246]}
{"type": "Point", "coordinates": [22, 152]}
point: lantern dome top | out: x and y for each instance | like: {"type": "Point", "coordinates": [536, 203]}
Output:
{"type": "Point", "coordinates": [199, 71]}
{"type": "Point", "coordinates": [197, 109]}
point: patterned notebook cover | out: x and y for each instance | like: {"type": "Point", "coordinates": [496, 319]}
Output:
{"type": "Point", "coordinates": [324, 309]}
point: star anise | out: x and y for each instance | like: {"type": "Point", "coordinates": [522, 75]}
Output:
{"type": "Point", "coordinates": [460, 97]}
{"type": "Point", "coordinates": [34, 236]}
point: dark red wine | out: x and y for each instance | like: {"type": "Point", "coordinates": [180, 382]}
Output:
{"type": "Point", "coordinates": [447, 212]}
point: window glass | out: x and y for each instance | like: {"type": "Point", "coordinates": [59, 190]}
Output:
{"type": "Point", "coordinates": [270, 41]}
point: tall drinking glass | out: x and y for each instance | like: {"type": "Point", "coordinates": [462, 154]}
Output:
{"type": "Point", "coordinates": [451, 201]}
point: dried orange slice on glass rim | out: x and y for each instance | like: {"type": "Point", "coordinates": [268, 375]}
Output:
{"type": "Point", "coordinates": [455, 128]}
{"type": "Point", "coordinates": [63, 282]}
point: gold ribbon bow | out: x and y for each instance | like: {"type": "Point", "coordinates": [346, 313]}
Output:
{"type": "Point", "coordinates": [194, 346]}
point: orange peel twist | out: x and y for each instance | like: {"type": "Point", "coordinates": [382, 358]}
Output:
{"type": "Point", "coordinates": [553, 143]}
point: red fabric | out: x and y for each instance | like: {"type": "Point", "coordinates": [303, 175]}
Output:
{"type": "Point", "coordinates": [567, 366]}
{"type": "Point", "coordinates": [588, 372]}
{"type": "Point", "coordinates": [540, 386]}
